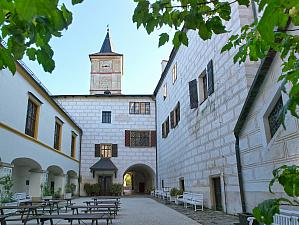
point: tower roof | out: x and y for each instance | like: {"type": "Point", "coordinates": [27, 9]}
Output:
{"type": "Point", "coordinates": [107, 48]}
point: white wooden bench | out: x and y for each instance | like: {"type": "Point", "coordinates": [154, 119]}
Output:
{"type": "Point", "coordinates": [189, 198]}
{"type": "Point", "coordinates": [286, 217]}
{"type": "Point", "coordinates": [21, 198]}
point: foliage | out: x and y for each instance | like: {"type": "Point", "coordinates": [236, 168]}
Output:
{"type": "Point", "coordinates": [180, 192]}
{"type": "Point", "coordinates": [68, 188]}
{"type": "Point", "coordinates": [92, 189]}
{"type": "Point", "coordinates": [255, 40]}
{"type": "Point", "coordinates": [57, 194]}
{"type": "Point", "coordinates": [116, 189]}
{"type": "Point", "coordinates": [288, 178]}
{"type": "Point", "coordinates": [6, 185]}
{"type": "Point", "coordinates": [28, 26]}
{"type": "Point", "coordinates": [47, 191]}
{"type": "Point", "coordinates": [174, 192]}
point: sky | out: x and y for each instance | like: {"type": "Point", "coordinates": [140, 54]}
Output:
{"type": "Point", "coordinates": [142, 57]}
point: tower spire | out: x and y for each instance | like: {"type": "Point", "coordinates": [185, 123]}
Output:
{"type": "Point", "coordinates": [107, 45]}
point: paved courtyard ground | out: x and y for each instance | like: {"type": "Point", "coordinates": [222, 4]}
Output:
{"type": "Point", "coordinates": [206, 217]}
{"type": "Point", "coordinates": [143, 211]}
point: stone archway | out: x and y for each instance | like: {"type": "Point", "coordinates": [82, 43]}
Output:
{"type": "Point", "coordinates": [27, 177]}
{"type": "Point", "coordinates": [56, 180]}
{"type": "Point", "coordinates": [138, 178]}
{"type": "Point", "coordinates": [72, 179]}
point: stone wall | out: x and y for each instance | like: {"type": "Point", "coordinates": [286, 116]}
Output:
{"type": "Point", "coordinates": [259, 153]}
{"type": "Point", "coordinates": [87, 111]}
{"type": "Point", "coordinates": [202, 146]}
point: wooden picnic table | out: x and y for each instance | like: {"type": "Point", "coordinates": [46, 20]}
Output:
{"type": "Point", "coordinates": [25, 210]}
{"type": "Point", "coordinates": [109, 208]}
{"type": "Point", "coordinates": [94, 217]}
{"type": "Point", "coordinates": [51, 203]}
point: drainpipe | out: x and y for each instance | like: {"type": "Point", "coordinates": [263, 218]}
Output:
{"type": "Point", "coordinates": [79, 183]}
{"type": "Point", "coordinates": [253, 5]}
{"type": "Point", "coordinates": [240, 175]}
{"type": "Point", "coordinates": [156, 142]}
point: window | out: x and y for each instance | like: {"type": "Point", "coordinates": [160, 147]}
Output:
{"type": "Point", "coordinates": [203, 87]}
{"type": "Point", "coordinates": [175, 116]}
{"type": "Point", "coordinates": [174, 73]}
{"type": "Point", "coordinates": [162, 183]}
{"type": "Point", "coordinates": [165, 128]}
{"type": "Point", "coordinates": [73, 145]}
{"type": "Point", "coordinates": [106, 151]}
{"type": "Point", "coordinates": [32, 118]}
{"type": "Point", "coordinates": [139, 108]}
{"type": "Point", "coordinates": [210, 82]}
{"type": "Point", "coordinates": [106, 116]}
{"type": "Point", "coordinates": [165, 91]}
{"type": "Point", "coordinates": [193, 94]}
{"type": "Point", "coordinates": [57, 134]}
{"type": "Point", "coordinates": [274, 117]}
{"type": "Point", "coordinates": [140, 138]}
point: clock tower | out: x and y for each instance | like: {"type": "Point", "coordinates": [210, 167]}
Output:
{"type": "Point", "coordinates": [106, 69]}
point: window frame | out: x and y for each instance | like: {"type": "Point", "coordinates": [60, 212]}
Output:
{"type": "Point", "coordinates": [73, 144]}
{"type": "Point", "coordinates": [106, 151]}
{"type": "Point", "coordinates": [203, 86]}
{"type": "Point", "coordinates": [165, 91]}
{"type": "Point", "coordinates": [174, 73]}
{"type": "Point", "coordinates": [136, 108]}
{"type": "Point", "coordinates": [37, 103]}
{"type": "Point", "coordinates": [140, 131]}
{"type": "Point", "coordinates": [165, 128]}
{"type": "Point", "coordinates": [57, 134]}
{"type": "Point", "coordinates": [270, 110]}
{"type": "Point", "coordinates": [105, 118]}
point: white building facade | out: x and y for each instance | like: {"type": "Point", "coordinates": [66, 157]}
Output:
{"type": "Point", "coordinates": [198, 100]}
{"type": "Point", "coordinates": [263, 143]}
{"type": "Point", "coordinates": [119, 135]}
{"type": "Point", "coordinates": [39, 142]}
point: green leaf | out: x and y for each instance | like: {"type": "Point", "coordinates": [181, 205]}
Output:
{"type": "Point", "coordinates": [74, 2]}
{"type": "Point", "coordinates": [7, 60]}
{"type": "Point", "coordinates": [184, 38]}
{"type": "Point", "coordinates": [164, 37]}
{"type": "Point", "coordinates": [176, 40]}
{"type": "Point", "coordinates": [244, 2]}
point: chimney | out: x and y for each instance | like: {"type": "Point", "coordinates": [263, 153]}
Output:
{"type": "Point", "coordinates": [163, 64]}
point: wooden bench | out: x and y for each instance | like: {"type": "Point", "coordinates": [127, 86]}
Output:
{"type": "Point", "coordinates": [189, 198]}
{"type": "Point", "coordinates": [286, 217]}
{"type": "Point", "coordinates": [21, 198]}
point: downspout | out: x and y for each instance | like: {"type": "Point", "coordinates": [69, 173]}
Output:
{"type": "Point", "coordinates": [80, 178]}
{"type": "Point", "coordinates": [156, 142]}
{"type": "Point", "coordinates": [253, 5]}
{"type": "Point", "coordinates": [240, 175]}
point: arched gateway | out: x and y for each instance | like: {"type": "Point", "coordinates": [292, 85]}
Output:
{"type": "Point", "coordinates": [138, 178]}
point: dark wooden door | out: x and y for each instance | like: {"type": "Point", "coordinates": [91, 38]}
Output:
{"type": "Point", "coordinates": [105, 184]}
{"type": "Point", "coordinates": [141, 187]}
{"type": "Point", "coordinates": [217, 193]}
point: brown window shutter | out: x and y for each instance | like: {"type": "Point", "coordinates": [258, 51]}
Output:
{"type": "Point", "coordinates": [127, 138]}
{"type": "Point", "coordinates": [167, 126]}
{"type": "Point", "coordinates": [153, 138]}
{"type": "Point", "coordinates": [172, 119]}
{"type": "Point", "coordinates": [163, 134]}
{"type": "Point", "coordinates": [114, 150]}
{"type": "Point", "coordinates": [97, 151]}
{"type": "Point", "coordinates": [210, 78]}
{"type": "Point", "coordinates": [193, 94]}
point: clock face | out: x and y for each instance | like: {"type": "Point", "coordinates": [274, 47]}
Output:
{"type": "Point", "coordinates": [106, 66]}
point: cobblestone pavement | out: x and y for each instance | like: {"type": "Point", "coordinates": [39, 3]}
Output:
{"type": "Point", "coordinates": [207, 217]}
